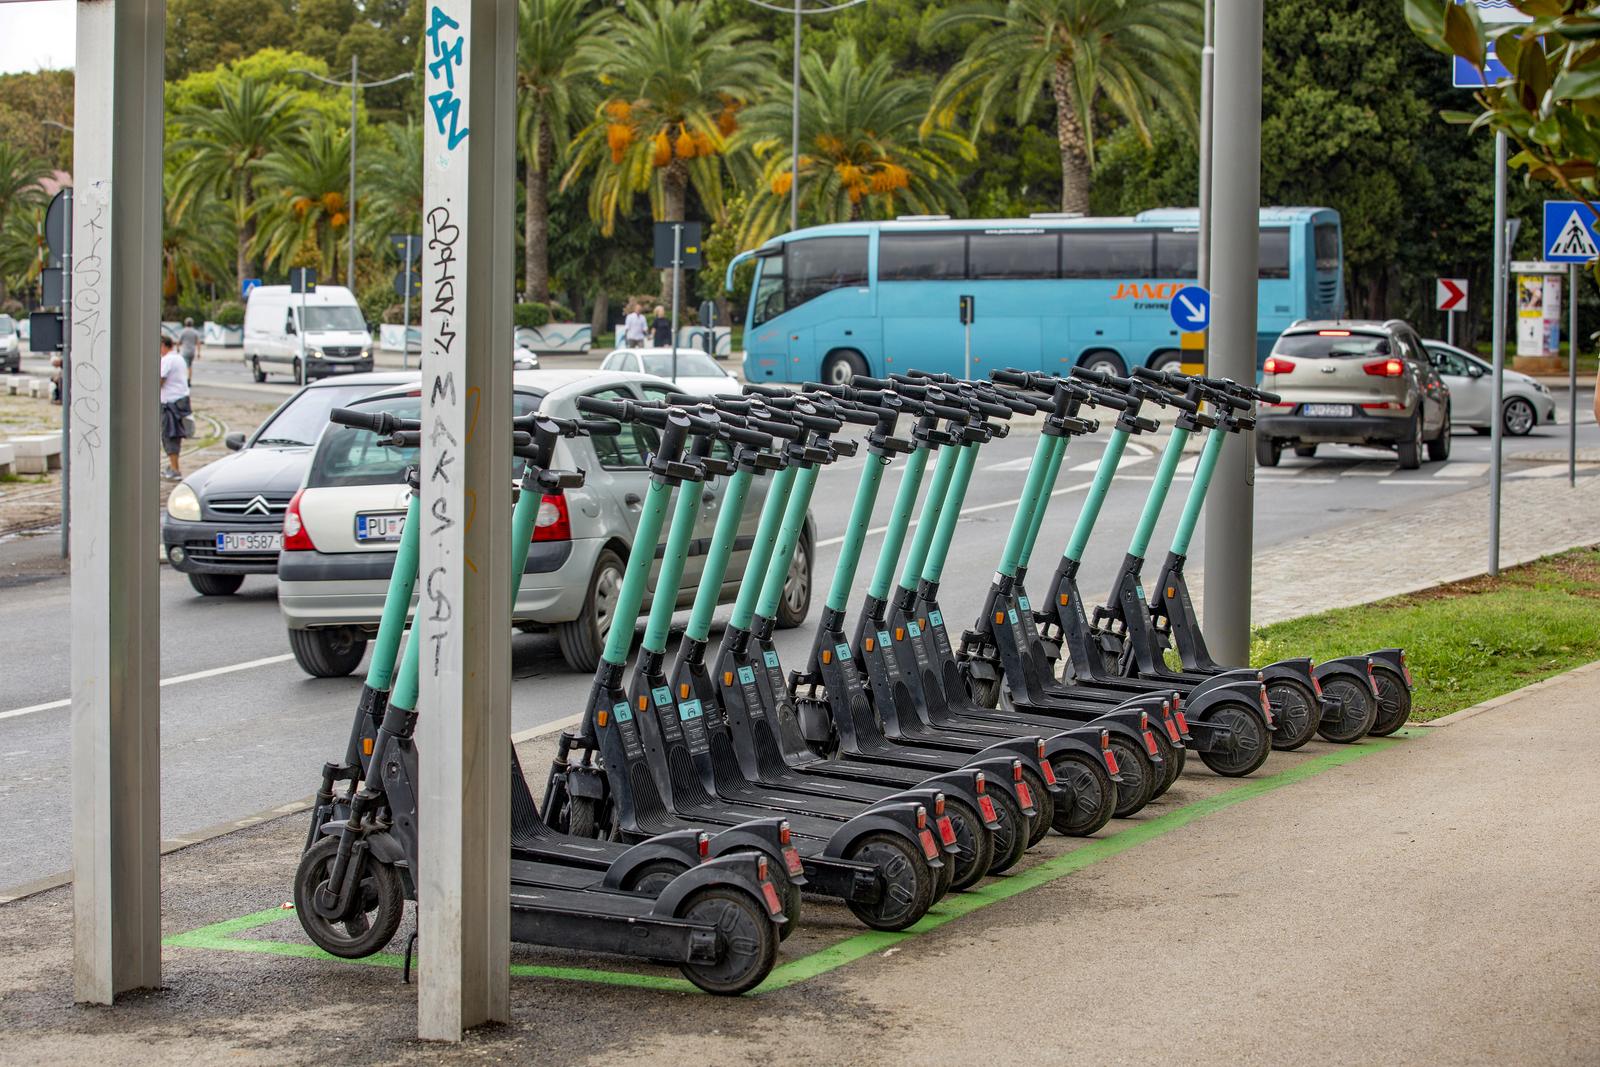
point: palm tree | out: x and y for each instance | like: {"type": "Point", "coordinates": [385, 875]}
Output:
{"type": "Point", "coordinates": [301, 207]}
{"type": "Point", "coordinates": [20, 197]}
{"type": "Point", "coordinates": [675, 88]}
{"type": "Point", "coordinates": [860, 148]}
{"type": "Point", "coordinates": [1136, 54]}
{"type": "Point", "coordinates": [393, 183]}
{"type": "Point", "coordinates": [196, 253]}
{"type": "Point", "coordinates": [553, 95]}
{"type": "Point", "coordinates": [220, 152]}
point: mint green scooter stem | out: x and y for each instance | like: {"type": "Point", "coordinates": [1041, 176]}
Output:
{"type": "Point", "coordinates": [855, 534]}
{"type": "Point", "coordinates": [1036, 519]}
{"type": "Point", "coordinates": [955, 496]}
{"type": "Point", "coordinates": [1097, 495]}
{"type": "Point", "coordinates": [894, 536]}
{"type": "Point", "coordinates": [1197, 491]}
{"type": "Point", "coordinates": [396, 601]}
{"type": "Point", "coordinates": [755, 567]}
{"type": "Point", "coordinates": [794, 520]}
{"type": "Point", "coordinates": [670, 579]}
{"type": "Point", "coordinates": [626, 613]}
{"type": "Point", "coordinates": [1030, 504]}
{"type": "Point", "coordinates": [932, 507]}
{"type": "Point", "coordinates": [1158, 492]}
{"type": "Point", "coordinates": [718, 557]}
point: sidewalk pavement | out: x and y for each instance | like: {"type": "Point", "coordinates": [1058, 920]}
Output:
{"type": "Point", "coordinates": [1421, 899]}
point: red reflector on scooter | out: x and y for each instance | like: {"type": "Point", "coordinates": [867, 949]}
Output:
{"type": "Point", "coordinates": [1372, 679]}
{"type": "Point", "coordinates": [1024, 795]}
{"type": "Point", "coordinates": [1405, 672]}
{"type": "Point", "coordinates": [1183, 724]}
{"type": "Point", "coordinates": [1266, 708]}
{"type": "Point", "coordinates": [986, 809]}
{"type": "Point", "coordinates": [947, 832]}
{"type": "Point", "coordinates": [703, 844]}
{"type": "Point", "coordinates": [792, 861]}
{"type": "Point", "coordinates": [770, 894]}
{"type": "Point", "coordinates": [929, 849]}
{"type": "Point", "coordinates": [1048, 771]}
{"type": "Point", "coordinates": [1111, 760]}
{"type": "Point", "coordinates": [1149, 738]}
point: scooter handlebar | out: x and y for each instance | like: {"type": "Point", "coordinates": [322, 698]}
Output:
{"type": "Point", "coordinates": [621, 410]}
{"type": "Point", "coordinates": [381, 423]}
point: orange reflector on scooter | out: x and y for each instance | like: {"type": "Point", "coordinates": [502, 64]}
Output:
{"type": "Point", "coordinates": [644, 702]}
{"type": "Point", "coordinates": [683, 691]}
{"type": "Point", "coordinates": [869, 644]}
{"type": "Point", "coordinates": [827, 657]}
{"type": "Point", "coordinates": [999, 618]}
{"type": "Point", "coordinates": [899, 633]}
{"type": "Point", "coordinates": [1065, 599]}
{"type": "Point", "coordinates": [601, 717]}
{"type": "Point", "coordinates": [727, 677]}
{"type": "Point", "coordinates": [1171, 592]}
{"type": "Point", "coordinates": [366, 746]}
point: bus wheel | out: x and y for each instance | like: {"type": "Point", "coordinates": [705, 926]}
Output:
{"type": "Point", "coordinates": [1102, 360]}
{"type": "Point", "coordinates": [1167, 360]}
{"type": "Point", "coordinates": [839, 367]}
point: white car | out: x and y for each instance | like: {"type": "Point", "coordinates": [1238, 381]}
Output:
{"type": "Point", "coordinates": [1524, 401]}
{"type": "Point", "coordinates": [698, 373]}
{"type": "Point", "coordinates": [10, 345]}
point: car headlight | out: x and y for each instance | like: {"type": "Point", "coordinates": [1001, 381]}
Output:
{"type": "Point", "coordinates": [183, 504]}
{"type": "Point", "coordinates": [1543, 388]}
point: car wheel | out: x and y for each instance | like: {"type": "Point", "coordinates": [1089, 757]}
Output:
{"type": "Point", "coordinates": [216, 584]}
{"type": "Point", "coordinates": [1439, 447]}
{"type": "Point", "coordinates": [331, 652]}
{"type": "Point", "coordinates": [583, 639]}
{"type": "Point", "coordinates": [1305, 451]}
{"type": "Point", "coordinates": [296, 368]}
{"type": "Point", "coordinates": [842, 366]}
{"type": "Point", "coordinates": [1410, 450]}
{"type": "Point", "coordinates": [255, 370]}
{"type": "Point", "coordinates": [1519, 419]}
{"type": "Point", "coordinates": [1109, 362]}
{"type": "Point", "coordinates": [795, 603]}
{"type": "Point", "coordinates": [1268, 450]}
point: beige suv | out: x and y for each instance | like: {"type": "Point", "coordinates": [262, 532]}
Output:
{"type": "Point", "coordinates": [1355, 382]}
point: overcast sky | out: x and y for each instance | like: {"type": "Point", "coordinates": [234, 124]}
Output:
{"type": "Point", "coordinates": [36, 34]}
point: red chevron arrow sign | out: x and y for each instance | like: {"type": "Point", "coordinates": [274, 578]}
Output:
{"type": "Point", "coordinates": [1452, 294]}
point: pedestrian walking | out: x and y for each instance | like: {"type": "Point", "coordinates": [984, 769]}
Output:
{"type": "Point", "coordinates": [175, 408]}
{"type": "Point", "coordinates": [189, 345]}
{"type": "Point", "coordinates": [634, 327]}
{"type": "Point", "coordinates": [661, 328]}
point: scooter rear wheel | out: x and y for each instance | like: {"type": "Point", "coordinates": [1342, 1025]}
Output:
{"type": "Point", "coordinates": [1249, 742]}
{"type": "Point", "coordinates": [1357, 708]}
{"type": "Point", "coordinates": [1044, 805]}
{"type": "Point", "coordinates": [1394, 701]}
{"type": "Point", "coordinates": [1297, 711]}
{"type": "Point", "coordinates": [1094, 795]}
{"type": "Point", "coordinates": [653, 877]}
{"type": "Point", "coordinates": [375, 910]}
{"type": "Point", "coordinates": [1138, 777]}
{"type": "Point", "coordinates": [974, 841]}
{"type": "Point", "coordinates": [745, 936]}
{"type": "Point", "coordinates": [907, 882]}
{"type": "Point", "coordinates": [788, 892]}
{"type": "Point", "coordinates": [1011, 836]}
{"type": "Point", "coordinates": [1170, 765]}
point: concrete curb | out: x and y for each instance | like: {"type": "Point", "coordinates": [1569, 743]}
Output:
{"type": "Point", "coordinates": [209, 833]}
{"type": "Point", "coordinates": [1505, 698]}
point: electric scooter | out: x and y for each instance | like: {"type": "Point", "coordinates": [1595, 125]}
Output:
{"type": "Point", "coordinates": [718, 920]}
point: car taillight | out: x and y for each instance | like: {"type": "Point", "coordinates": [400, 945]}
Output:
{"type": "Point", "coordinates": [1385, 368]}
{"type": "Point", "coordinates": [1384, 405]}
{"type": "Point", "coordinates": [553, 523]}
{"type": "Point", "coordinates": [296, 538]}
{"type": "Point", "coordinates": [1277, 365]}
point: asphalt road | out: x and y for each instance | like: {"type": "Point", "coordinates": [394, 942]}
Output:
{"type": "Point", "coordinates": [243, 729]}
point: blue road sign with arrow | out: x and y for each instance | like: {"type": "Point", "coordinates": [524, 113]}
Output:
{"type": "Point", "coordinates": [1191, 308]}
{"type": "Point", "coordinates": [246, 286]}
{"type": "Point", "coordinates": [1570, 234]}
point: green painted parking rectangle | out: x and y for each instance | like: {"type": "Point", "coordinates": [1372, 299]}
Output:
{"type": "Point", "coordinates": [226, 935]}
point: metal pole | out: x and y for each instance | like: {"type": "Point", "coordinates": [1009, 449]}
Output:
{"type": "Point", "coordinates": [967, 329]}
{"type": "Point", "coordinates": [1498, 325]}
{"type": "Point", "coordinates": [350, 205]}
{"type": "Point", "coordinates": [1208, 55]}
{"type": "Point", "coordinates": [1236, 206]}
{"type": "Point", "coordinates": [300, 334]}
{"type": "Point", "coordinates": [677, 273]}
{"type": "Point", "coordinates": [116, 591]}
{"type": "Point", "coordinates": [794, 141]}
{"type": "Point", "coordinates": [1450, 327]}
{"type": "Point", "coordinates": [405, 337]}
{"type": "Point", "coordinates": [1572, 377]}
{"type": "Point", "coordinates": [66, 372]}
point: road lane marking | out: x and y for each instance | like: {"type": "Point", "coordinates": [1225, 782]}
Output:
{"type": "Point", "coordinates": [248, 665]}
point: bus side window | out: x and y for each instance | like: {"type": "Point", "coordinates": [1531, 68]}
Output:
{"type": "Point", "coordinates": [1178, 255]}
{"type": "Point", "coordinates": [822, 264]}
{"type": "Point", "coordinates": [1011, 255]}
{"type": "Point", "coordinates": [1107, 254]}
{"type": "Point", "coordinates": [1326, 236]}
{"type": "Point", "coordinates": [1274, 254]}
{"type": "Point", "coordinates": [922, 257]}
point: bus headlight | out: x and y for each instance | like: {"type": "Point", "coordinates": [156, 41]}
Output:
{"type": "Point", "coordinates": [183, 504]}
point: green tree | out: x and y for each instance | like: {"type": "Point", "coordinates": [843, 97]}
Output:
{"type": "Point", "coordinates": [29, 105]}
{"type": "Point", "coordinates": [860, 150]}
{"type": "Point", "coordinates": [1132, 56]}
{"type": "Point", "coordinates": [20, 197]}
{"type": "Point", "coordinates": [391, 196]}
{"type": "Point", "coordinates": [554, 95]}
{"type": "Point", "coordinates": [197, 250]}
{"type": "Point", "coordinates": [675, 86]}
{"type": "Point", "coordinates": [203, 34]}
{"type": "Point", "coordinates": [220, 152]}
{"type": "Point", "coordinates": [303, 207]}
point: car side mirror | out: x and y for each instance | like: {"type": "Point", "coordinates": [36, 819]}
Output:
{"type": "Point", "coordinates": [234, 441]}
{"type": "Point", "coordinates": [1474, 371]}
{"type": "Point", "coordinates": [289, 328]}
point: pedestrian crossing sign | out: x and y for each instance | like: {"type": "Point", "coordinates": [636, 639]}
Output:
{"type": "Point", "coordinates": [1569, 232]}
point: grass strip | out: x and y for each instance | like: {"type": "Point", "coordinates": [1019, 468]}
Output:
{"type": "Point", "coordinates": [1468, 641]}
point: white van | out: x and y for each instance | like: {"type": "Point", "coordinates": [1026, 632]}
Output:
{"type": "Point", "coordinates": [333, 334]}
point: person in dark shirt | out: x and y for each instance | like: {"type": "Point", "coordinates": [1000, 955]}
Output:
{"type": "Point", "coordinates": [661, 328]}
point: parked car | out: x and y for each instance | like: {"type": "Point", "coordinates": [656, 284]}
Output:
{"type": "Point", "coordinates": [1357, 382]}
{"type": "Point", "coordinates": [335, 338]}
{"type": "Point", "coordinates": [10, 345]}
{"type": "Point", "coordinates": [225, 520]}
{"type": "Point", "coordinates": [341, 528]}
{"type": "Point", "coordinates": [1524, 400]}
{"type": "Point", "coordinates": [698, 373]}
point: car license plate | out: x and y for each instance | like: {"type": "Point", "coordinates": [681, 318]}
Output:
{"type": "Point", "coordinates": [250, 542]}
{"type": "Point", "coordinates": [380, 526]}
{"type": "Point", "coordinates": [340, 368]}
{"type": "Point", "coordinates": [1327, 410]}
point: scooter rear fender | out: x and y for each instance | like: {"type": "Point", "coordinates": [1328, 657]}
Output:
{"type": "Point", "coordinates": [740, 872]}
{"type": "Point", "coordinates": [679, 846]}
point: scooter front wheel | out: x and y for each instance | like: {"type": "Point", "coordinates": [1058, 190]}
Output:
{"type": "Point", "coordinates": [985, 691]}
{"type": "Point", "coordinates": [1394, 700]}
{"type": "Point", "coordinates": [1297, 711]}
{"type": "Point", "coordinates": [747, 943]}
{"type": "Point", "coordinates": [1044, 805]}
{"type": "Point", "coordinates": [1138, 778]}
{"type": "Point", "coordinates": [1247, 743]}
{"type": "Point", "coordinates": [974, 842]}
{"type": "Point", "coordinates": [1357, 709]}
{"type": "Point", "coordinates": [1011, 836]}
{"type": "Point", "coordinates": [1094, 795]}
{"type": "Point", "coordinates": [907, 882]}
{"type": "Point", "coordinates": [375, 910]}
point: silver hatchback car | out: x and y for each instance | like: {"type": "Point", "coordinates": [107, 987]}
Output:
{"type": "Point", "coordinates": [341, 528]}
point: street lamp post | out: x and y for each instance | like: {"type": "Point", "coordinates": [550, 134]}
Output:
{"type": "Point", "coordinates": [355, 84]}
{"type": "Point", "coordinates": [800, 8]}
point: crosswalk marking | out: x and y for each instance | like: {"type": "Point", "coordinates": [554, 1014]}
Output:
{"type": "Point", "coordinates": [1461, 470]}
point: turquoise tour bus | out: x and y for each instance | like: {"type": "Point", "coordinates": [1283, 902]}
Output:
{"type": "Point", "coordinates": [1050, 291]}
